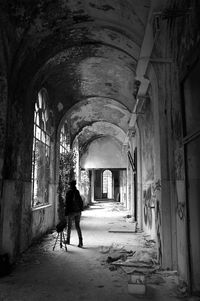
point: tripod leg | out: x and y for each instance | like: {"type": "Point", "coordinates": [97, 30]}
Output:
{"type": "Point", "coordinates": [61, 239]}
{"type": "Point", "coordinates": [64, 241]}
{"type": "Point", "coordinates": [55, 242]}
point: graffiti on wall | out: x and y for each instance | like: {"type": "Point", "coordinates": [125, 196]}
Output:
{"type": "Point", "coordinates": [179, 164]}
{"type": "Point", "coordinates": [181, 210]}
{"type": "Point", "coordinates": [158, 231]}
{"type": "Point", "coordinates": [149, 205]}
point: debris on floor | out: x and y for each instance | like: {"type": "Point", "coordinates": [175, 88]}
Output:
{"type": "Point", "coordinates": [104, 249]}
{"type": "Point", "coordinates": [122, 257]}
{"type": "Point", "coordinates": [155, 279]}
{"type": "Point", "coordinates": [150, 243]}
{"type": "Point", "coordinates": [136, 289]}
{"type": "Point", "coordinates": [40, 271]}
{"type": "Point", "coordinates": [38, 249]}
{"type": "Point", "coordinates": [140, 260]}
{"type": "Point", "coordinates": [141, 268]}
{"type": "Point", "coordinates": [181, 289]}
{"type": "Point", "coordinates": [123, 228]}
{"type": "Point", "coordinates": [140, 265]}
{"type": "Point", "coordinates": [137, 285]}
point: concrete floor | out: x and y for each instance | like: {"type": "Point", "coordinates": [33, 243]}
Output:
{"type": "Point", "coordinates": [81, 274]}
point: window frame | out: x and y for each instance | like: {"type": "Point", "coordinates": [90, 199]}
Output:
{"type": "Point", "coordinates": [42, 144]}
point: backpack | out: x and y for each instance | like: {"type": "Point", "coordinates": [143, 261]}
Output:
{"type": "Point", "coordinates": [77, 203]}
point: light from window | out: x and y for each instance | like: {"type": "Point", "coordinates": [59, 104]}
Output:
{"type": "Point", "coordinates": [40, 153]}
{"type": "Point", "coordinates": [64, 140]}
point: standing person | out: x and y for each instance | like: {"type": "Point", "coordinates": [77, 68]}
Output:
{"type": "Point", "coordinates": [73, 208]}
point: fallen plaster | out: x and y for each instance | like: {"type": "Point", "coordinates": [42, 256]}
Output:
{"type": "Point", "coordinates": [42, 273]}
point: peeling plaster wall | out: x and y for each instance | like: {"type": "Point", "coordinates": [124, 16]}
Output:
{"type": "Point", "coordinates": [86, 71]}
{"type": "Point", "coordinates": [7, 231]}
{"type": "Point", "coordinates": [179, 36]}
{"type": "Point", "coordinates": [104, 153]}
{"type": "Point", "coordinates": [85, 186]}
{"type": "Point", "coordinates": [102, 76]}
{"type": "Point", "coordinates": [165, 205]}
{"type": "Point", "coordinates": [42, 221]}
{"type": "Point", "coordinates": [19, 223]}
{"type": "Point", "coordinates": [97, 109]}
{"type": "Point", "coordinates": [98, 130]}
{"type": "Point", "coordinates": [4, 61]}
{"type": "Point", "coordinates": [3, 119]}
{"type": "Point", "coordinates": [146, 126]}
{"type": "Point", "coordinates": [43, 218]}
{"type": "Point", "coordinates": [17, 214]}
{"type": "Point", "coordinates": [184, 46]}
{"type": "Point", "coordinates": [123, 185]}
{"type": "Point", "coordinates": [179, 183]}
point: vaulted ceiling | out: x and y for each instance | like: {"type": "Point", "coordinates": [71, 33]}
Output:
{"type": "Point", "coordinates": [85, 52]}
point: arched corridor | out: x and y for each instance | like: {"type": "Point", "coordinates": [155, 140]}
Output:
{"type": "Point", "coordinates": [105, 92]}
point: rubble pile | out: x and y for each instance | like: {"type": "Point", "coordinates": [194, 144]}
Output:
{"type": "Point", "coordinates": [140, 265]}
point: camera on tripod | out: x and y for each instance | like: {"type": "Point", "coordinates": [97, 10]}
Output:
{"type": "Point", "coordinates": [61, 226]}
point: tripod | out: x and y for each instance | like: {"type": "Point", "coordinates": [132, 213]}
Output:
{"type": "Point", "coordinates": [60, 236]}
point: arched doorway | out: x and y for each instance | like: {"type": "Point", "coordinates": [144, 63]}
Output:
{"type": "Point", "coordinates": [107, 184]}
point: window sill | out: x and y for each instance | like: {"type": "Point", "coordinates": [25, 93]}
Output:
{"type": "Point", "coordinates": [41, 207]}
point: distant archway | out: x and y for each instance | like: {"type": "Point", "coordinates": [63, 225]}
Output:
{"type": "Point", "coordinates": [107, 184]}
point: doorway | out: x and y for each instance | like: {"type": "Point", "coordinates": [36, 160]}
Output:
{"type": "Point", "coordinates": [107, 184]}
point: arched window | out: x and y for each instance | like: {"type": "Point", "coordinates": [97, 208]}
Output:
{"type": "Point", "coordinates": [65, 157]}
{"type": "Point", "coordinates": [64, 140]}
{"type": "Point", "coordinates": [41, 152]}
{"type": "Point", "coordinates": [107, 183]}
